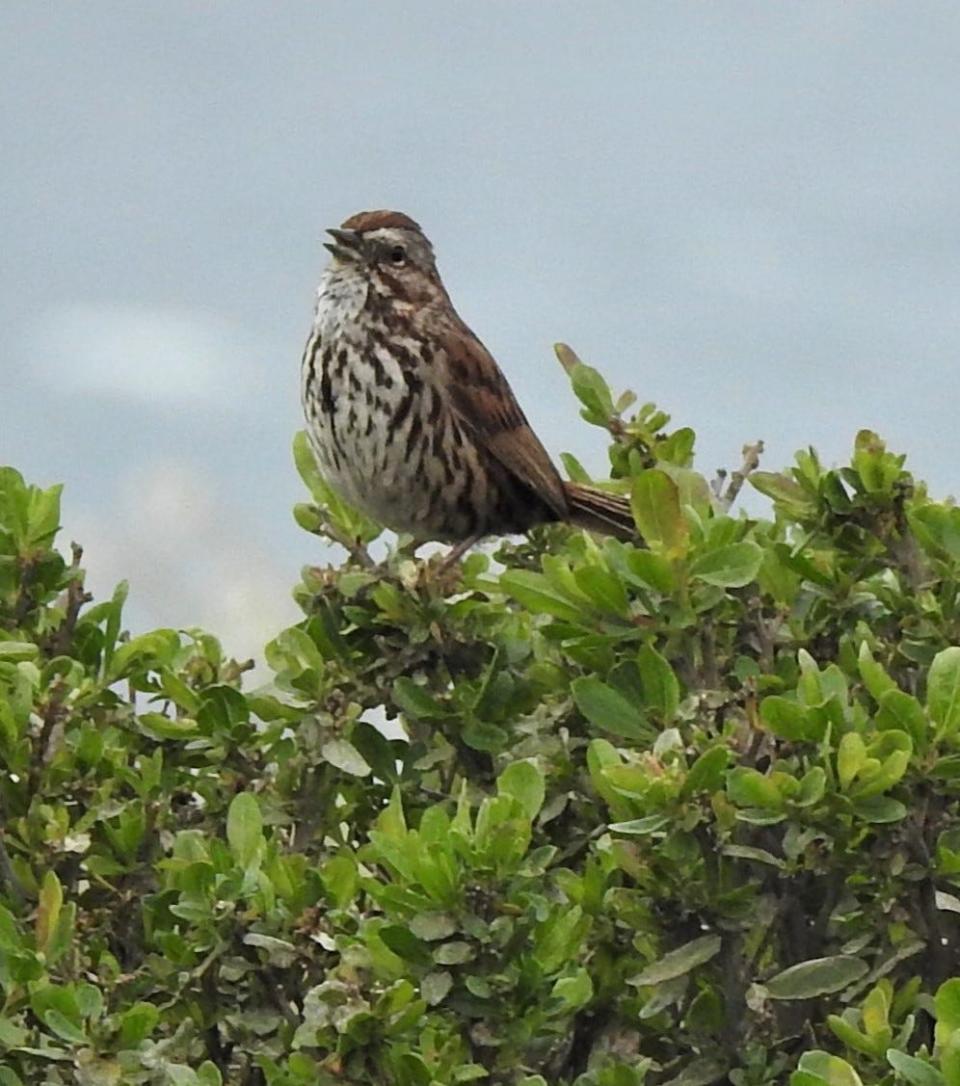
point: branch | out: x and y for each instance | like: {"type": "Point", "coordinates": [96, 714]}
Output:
{"type": "Point", "coordinates": [751, 461]}
{"type": "Point", "coordinates": [8, 877]}
{"type": "Point", "coordinates": [25, 600]}
{"type": "Point", "coordinates": [76, 596]}
{"type": "Point", "coordinates": [53, 713]}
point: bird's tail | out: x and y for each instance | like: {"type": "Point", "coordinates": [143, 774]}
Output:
{"type": "Point", "coordinates": [600, 511]}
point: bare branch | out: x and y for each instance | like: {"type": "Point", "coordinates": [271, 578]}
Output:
{"type": "Point", "coordinates": [76, 596]}
{"type": "Point", "coordinates": [751, 461]}
{"type": "Point", "coordinates": [8, 877]}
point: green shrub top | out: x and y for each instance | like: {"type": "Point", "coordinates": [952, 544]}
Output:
{"type": "Point", "coordinates": [684, 813]}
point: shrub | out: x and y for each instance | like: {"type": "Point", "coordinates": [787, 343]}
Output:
{"type": "Point", "coordinates": [681, 814]}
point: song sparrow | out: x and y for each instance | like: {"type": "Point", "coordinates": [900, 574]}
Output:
{"type": "Point", "coordinates": [408, 414]}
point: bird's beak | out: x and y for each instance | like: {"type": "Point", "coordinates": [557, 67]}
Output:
{"type": "Point", "coordinates": [345, 244]}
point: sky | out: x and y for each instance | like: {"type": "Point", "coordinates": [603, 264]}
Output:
{"type": "Point", "coordinates": [746, 212]}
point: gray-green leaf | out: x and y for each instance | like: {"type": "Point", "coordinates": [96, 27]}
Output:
{"type": "Point", "coordinates": [680, 961]}
{"type": "Point", "coordinates": [816, 977]}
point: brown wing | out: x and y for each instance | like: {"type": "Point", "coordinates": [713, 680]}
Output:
{"type": "Point", "coordinates": [485, 402]}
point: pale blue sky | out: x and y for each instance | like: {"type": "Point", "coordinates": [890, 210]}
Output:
{"type": "Point", "coordinates": [747, 212]}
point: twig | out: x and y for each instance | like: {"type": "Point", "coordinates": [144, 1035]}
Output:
{"type": "Point", "coordinates": [8, 877]}
{"type": "Point", "coordinates": [351, 544]}
{"type": "Point", "coordinates": [927, 905]}
{"type": "Point", "coordinates": [708, 651]}
{"type": "Point", "coordinates": [716, 484]}
{"type": "Point", "coordinates": [53, 713]}
{"type": "Point", "coordinates": [25, 600]}
{"type": "Point", "coordinates": [76, 596]}
{"type": "Point", "coordinates": [751, 461]}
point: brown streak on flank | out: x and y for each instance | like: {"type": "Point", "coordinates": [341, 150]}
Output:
{"type": "Point", "coordinates": [380, 220]}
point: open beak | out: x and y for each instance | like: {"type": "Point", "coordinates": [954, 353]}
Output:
{"type": "Point", "coordinates": [345, 244]}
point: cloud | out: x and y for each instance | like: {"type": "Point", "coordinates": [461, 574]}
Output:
{"type": "Point", "coordinates": [173, 358]}
{"type": "Point", "coordinates": [191, 558]}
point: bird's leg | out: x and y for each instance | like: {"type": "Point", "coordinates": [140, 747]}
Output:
{"type": "Point", "coordinates": [457, 551]}
{"type": "Point", "coordinates": [444, 576]}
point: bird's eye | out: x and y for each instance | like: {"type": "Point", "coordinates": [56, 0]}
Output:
{"type": "Point", "coordinates": [398, 255]}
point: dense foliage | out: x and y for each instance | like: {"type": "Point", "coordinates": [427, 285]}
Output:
{"type": "Point", "coordinates": [681, 814]}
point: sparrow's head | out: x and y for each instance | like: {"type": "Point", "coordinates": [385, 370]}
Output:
{"type": "Point", "coordinates": [389, 247]}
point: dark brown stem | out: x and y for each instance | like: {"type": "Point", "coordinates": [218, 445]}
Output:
{"type": "Point", "coordinates": [734, 990]}
{"type": "Point", "coordinates": [938, 963]}
{"type": "Point", "coordinates": [8, 877]}
{"type": "Point", "coordinates": [53, 713]}
{"type": "Point", "coordinates": [25, 599]}
{"type": "Point", "coordinates": [61, 641]}
{"type": "Point", "coordinates": [708, 650]}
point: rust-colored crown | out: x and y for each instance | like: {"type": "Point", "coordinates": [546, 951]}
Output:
{"type": "Point", "coordinates": [380, 220]}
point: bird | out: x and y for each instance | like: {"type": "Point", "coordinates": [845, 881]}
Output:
{"type": "Point", "coordinates": [409, 416]}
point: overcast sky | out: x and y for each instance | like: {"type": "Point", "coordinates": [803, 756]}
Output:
{"type": "Point", "coordinates": [747, 212]}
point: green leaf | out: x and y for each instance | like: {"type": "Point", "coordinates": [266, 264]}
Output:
{"type": "Point", "coordinates": [345, 756]}
{"type": "Point", "coordinates": [640, 827]}
{"type": "Point", "coordinates": [431, 926]}
{"type": "Point", "coordinates": [851, 758]}
{"type": "Point", "coordinates": [525, 782]}
{"type": "Point", "coordinates": [341, 878]}
{"type": "Point", "coordinates": [902, 711]}
{"type": "Point", "coordinates": [137, 1023]}
{"type": "Point", "coordinates": [706, 773]}
{"type": "Point", "coordinates": [588, 385]}
{"type": "Point", "coordinates": [180, 1075]}
{"type": "Point", "coordinates": [789, 495]}
{"type": "Point", "coordinates": [63, 1027]}
{"type": "Point", "coordinates": [816, 977]}
{"type": "Point", "coordinates": [404, 944]}
{"type": "Point", "coordinates": [159, 726]}
{"type": "Point", "coordinates": [787, 718]}
{"type": "Point", "coordinates": [915, 1071]}
{"type": "Point", "coordinates": [812, 787]}
{"type": "Point", "coordinates": [879, 809]}
{"type": "Point", "coordinates": [541, 596]}
{"type": "Point", "coordinates": [574, 469]}
{"type": "Point", "coordinates": [950, 1060]}
{"type": "Point", "coordinates": [851, 1036]}
{"type": "Point", "coordinates": [947, 1005]}
{"type": "Point", "coordinates": [13, 651]}
{"type": "Point", "coordinates": [679, 962]}
{"type": "Point", "coordinates": [878, 469]}
{"type": "Point", "coordinates": [818, 1068]}
{"type": "Point", "coordinates": [732, 566]}
{"type": "Point", "coordinates": [609, 709]}
{"type": "Point", "coordinates": [435, 986]}
{"type": "Point", "coordinates": [649, 569]}
{"type": "Point", "coordinates": [244, 828]}
{"type": "Point", "coordinates": [11, 1035]}
{"type": "Point", "coordinates": [749, 852]}
{"type": "Point", "coordinates": [604, 588]}
{"type": "Point", "coordinates": [655, 502]}
{"type": "Point", "coordinates": [943, 690]}
{"type": "Point", "coordinates": [875, 679]}
{"type": "Point", "coordinates": [208, 1074]}
{"type": "Point", "coordinates": [876, 1010]}
{"type": "Point", "coordinates": [937, 528]}
{"type": "Point", "coordinates": [575, 991]}
{"type": "Point", "coordinates": [454, 953]}
{"type": "Point", "coordinates": [750, 788]}
{"type": "Point", "coordinates": [702, 1071]}
{"type": "Point", "coordinates": [661, 691]}
{"type": "Point", "coordinates": [416, 701]}
{"type": "Point", "coordinates": [48, 911]}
